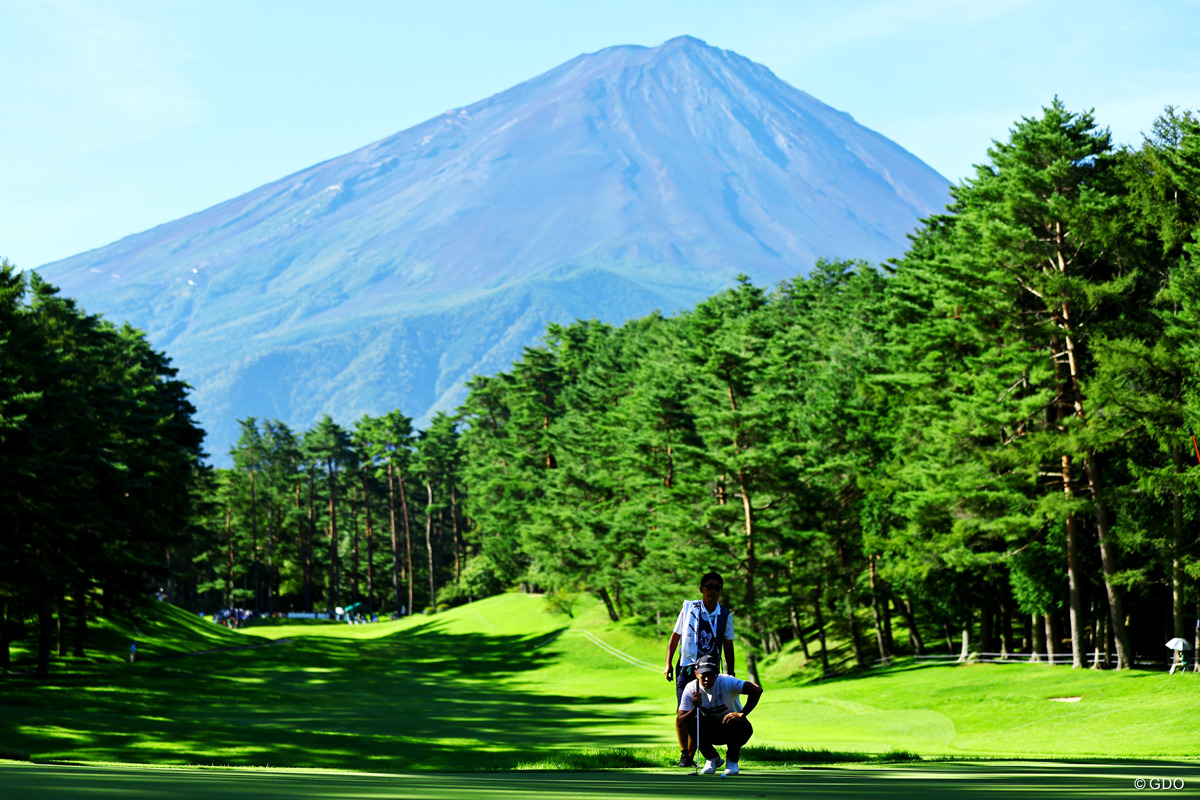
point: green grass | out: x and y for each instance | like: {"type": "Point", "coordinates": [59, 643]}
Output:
{"type": "Point", "coordinates": [942, 781]}
{"type": "Point", "coordinates": [161, 630]}
{"type": "Point", "coordinates": [500, 685]}
{"type": "Point", "coordinates": [655, 757]}
{"type": "Point", "coordinates": [1007, 710]}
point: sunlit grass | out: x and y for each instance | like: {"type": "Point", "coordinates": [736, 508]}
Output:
{"type": "Point", "coordinates": [501, 684]}
{"type": "Point", "coordinates": [936, 781]}
{"type": "Point", "coordinates": [55, 731]}
{"type": "Point", "coordinates": [335, 630]}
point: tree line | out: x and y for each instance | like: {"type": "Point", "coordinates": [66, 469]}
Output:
{"type": "Point", "coordinates": [369, 518]}
{"type": "Point", "coordinates": [987, 439]}
{"type": "Point", "coordinates": [98, 461]}
{"type": "Point", "coordinates": [983, 443]}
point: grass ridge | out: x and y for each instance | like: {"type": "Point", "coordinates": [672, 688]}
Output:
{"type": "Point", "coordinates": [599, 759]}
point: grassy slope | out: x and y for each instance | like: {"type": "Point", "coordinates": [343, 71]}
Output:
{"type": "Point", "coordinates": [501, 682]}
{"type": "Point", "coordinates": [163, 630]}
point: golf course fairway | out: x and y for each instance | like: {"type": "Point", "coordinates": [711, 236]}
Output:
{"type": "Point", "coordinates": [501, 698]}
{"type": "Point", "coordinates": [935, 781]}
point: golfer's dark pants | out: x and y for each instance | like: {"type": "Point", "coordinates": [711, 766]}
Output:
{"type": "Point", "coordinates": [713, 731]}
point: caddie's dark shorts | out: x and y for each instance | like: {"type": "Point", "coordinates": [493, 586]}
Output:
{"type": "Point", "coordinates": [683, 676]}
{"type": "Point", "coordinates": [713, 731]}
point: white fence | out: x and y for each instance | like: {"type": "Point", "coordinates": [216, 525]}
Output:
{"type": "Point", "coordinates": [1025, 658]}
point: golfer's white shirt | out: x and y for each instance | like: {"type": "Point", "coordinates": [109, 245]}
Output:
{"type": "Point", "coordinates": [688, 623]}
{"type": "Point", "coordinates": [725, 692]}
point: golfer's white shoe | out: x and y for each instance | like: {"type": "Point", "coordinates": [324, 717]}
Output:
{"type": "Point", "coordinates": [732, 768]}
{"type": "Point", "coordinates": [709, 768]}
{"type": "Point", "coordinates": [718, 762]}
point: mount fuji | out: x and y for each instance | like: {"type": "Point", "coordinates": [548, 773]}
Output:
{"type": "Point", "coordinates": [622, 181]}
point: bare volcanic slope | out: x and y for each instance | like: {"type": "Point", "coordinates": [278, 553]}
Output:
{"type": "Point", "coordinates": [625, 180]}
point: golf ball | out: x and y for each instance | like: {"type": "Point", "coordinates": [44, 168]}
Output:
{"type": "Point", "coordinates": [723, 775]}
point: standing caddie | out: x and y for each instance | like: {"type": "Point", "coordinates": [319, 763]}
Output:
{"type": "Point", "coordinates": [705, 628]}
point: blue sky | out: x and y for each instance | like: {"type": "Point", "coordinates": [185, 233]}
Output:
{"type": "Point", "coordinates": [118, 116]}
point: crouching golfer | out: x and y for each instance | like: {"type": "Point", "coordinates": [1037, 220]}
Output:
{"type": "Point", "coordinates": [719, 722]}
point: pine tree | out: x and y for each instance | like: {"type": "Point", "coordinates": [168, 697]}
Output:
{"type": "Point", "coordinates": [1021, 282]}
{"type": "Point", "coordinates": [330, 446]}
{"type": "Point", "coordinates": [386, 443]}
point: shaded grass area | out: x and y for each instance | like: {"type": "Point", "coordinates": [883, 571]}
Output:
{"type": "Point", "coordinates": [425, 693]}
{"type": "Point", "coordinates": [940, 781]}
{"type": "Point", "coordinates": [158, 629]}
{"type": "Point", "coordinates": [500, 684]}
{"type": "Point", "coordinates": [656, 757]}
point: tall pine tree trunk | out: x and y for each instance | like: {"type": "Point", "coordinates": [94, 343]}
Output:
{"type": "Point", "coordinates": [60, 625]}
{"type": "Point", "coordinates": [429, 541]}
{"type": "Point", "coordinates": [354, 565]}
{"type": "Point", "coordinates": [1178, 613]}
{"type": "Point", "coordinates": [852, 624]}
{"type": "Point", "coordinates": [1051, 639]}
{"type": "Point", "coordinates": [880, 638]}
{"type": "Point", "coordinates": [1196, 643]}
{"type": "Point", "coordinates": [751, 569]}
{"type": "Point", "coordinates": [170, 578]}
{"type": "Point", "coordinates": [272, 571]}
{"type": "Point", "coordinates": [370, 545]}
{"type": "Point", "coordinates": [1099, 635]}
{"type": "Point", "coordinates": [229, 557]}
{"type": "Point", "coordinates": [454, 530]}
{"type": "Point", "coordinates": [45, 638]}
{"type": "Point", "coordinates": [408, 560]}
{"type": "Point", "coordinates": [608, 605]}
{"type": "Point", "coordinates": [1006, 638]}
{"type": "Point", "coordinates": [5, 640]}
{"type": "Point", "coordinates": [1039, 639]}
{"type": "Point", "coordinates": [798, 632]}
{"type": "Point", "coordinates": [888, 641]}
{"type": "Point", "coordinates": [820, 618]}
{"type": "Point", "coordinates": [254, 534]}
{"type": "Point", "coordinates": [80, 617]}
{"type": "Point", "coordinates": [848, 604]}
{"type": "Point", "coordinates": [1108, 562]}
{"type": "Point", "coordinates": [441, 532]}
{"type": "Point", "coordinates": [303, 528]}
{"type": "Point", "coordinates": [310, 545]}
{"type": "Point", "coordinates": [1074, 572]}
{"type": "Point", "coordinates": [1068, 402]}
{"type": "Point", "coordinates": [910, 619]}
{"type": "Point", "coordinates": [395, 542]}
{"type": "Point", "coordinates": [335, 594]}
{"type": "Point", "coordinates": [987, 637]}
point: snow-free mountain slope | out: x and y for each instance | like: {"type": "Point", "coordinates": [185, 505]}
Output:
{"type": "Point", "coordinates": [618, 182]}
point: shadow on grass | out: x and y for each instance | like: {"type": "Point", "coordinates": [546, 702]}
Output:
{"type": "Point", "coordinates": [935, 781]}
{"type": "Point", "coordinates": [592, 759]}
{"type": "Point", "coordinates": [158, 629]}
{"type": "Point", "coordinates": [422, 698]}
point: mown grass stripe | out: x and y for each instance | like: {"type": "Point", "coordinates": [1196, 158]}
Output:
{"type": "Point", "coordinates": [603, 645]}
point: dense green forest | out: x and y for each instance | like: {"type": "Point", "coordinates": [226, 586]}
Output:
{"type": "Point", "coordinates": [98, 463]}
{"type": "Point", "coordinates": [983, 445]}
